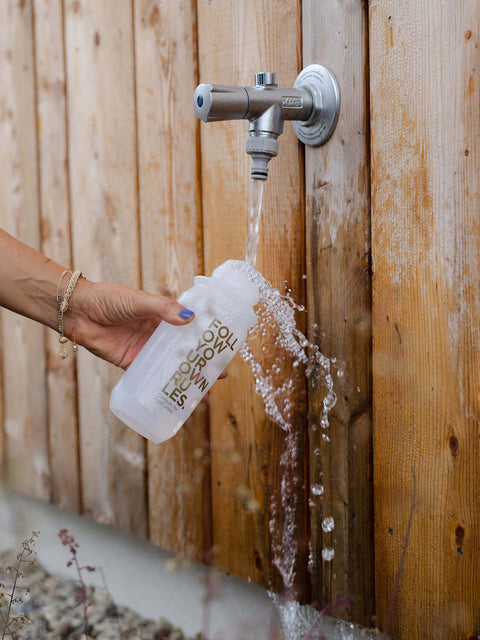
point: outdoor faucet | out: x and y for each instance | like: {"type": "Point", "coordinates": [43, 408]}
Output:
{"type": "Point", "coordinates": [313, 105]}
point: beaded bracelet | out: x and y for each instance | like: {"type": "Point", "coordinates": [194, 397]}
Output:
{"type": "Point", "coordinates": [62, 304]}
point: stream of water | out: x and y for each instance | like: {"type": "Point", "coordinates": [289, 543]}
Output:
{"type": "Point", "coordinates": [254, 222]}
{"type": "Point", "coordinates": [282, 345]}
{"type": "Point", "coordinates": [280, 355]}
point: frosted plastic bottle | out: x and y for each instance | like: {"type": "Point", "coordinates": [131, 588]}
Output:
{"type": "Point", "coordinates": [178, 365]}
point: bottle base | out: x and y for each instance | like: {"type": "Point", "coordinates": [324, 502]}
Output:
{"type": "Point", "coordinates": [135, 423]}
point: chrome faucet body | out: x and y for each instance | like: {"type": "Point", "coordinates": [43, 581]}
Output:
{"type": "Point", "coordinates": [312, 104]}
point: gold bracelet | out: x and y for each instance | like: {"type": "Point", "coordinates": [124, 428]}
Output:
{"type": "Point", "coordinates": [62, 303]}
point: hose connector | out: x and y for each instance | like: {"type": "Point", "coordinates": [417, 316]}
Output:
{"type": "Point", "coordinates": [262, 148]}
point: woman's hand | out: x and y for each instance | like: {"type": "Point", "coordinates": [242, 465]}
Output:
{"type": "Point", "coordinates": [114, 322]}
{"type": "Point", "coordinates": [110, 320]}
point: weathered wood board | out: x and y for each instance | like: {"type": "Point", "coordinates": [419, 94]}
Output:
{"type": "Point", "coordinates": [426, 314]}
{"type": "Point", "coordinates": [102, 156]}
{"type": "Point", "coordinates": [25, 461]}
{"type": "Point", "coordinates": [339, 306]}
{"type": "Point", "coordinates": [171, 246]}
{"type": "Point", "coordinates": [56, 243]}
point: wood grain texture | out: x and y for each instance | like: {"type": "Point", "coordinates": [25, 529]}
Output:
{"type": "Point", "coordinates": [103, 187]}
{"type": "Point", "coordinates": [339, 305]}
{"type": "Point", "coordinates": [426, 313]}
{"type": "Point", "coordinates": [170, 223]}
{"type": "Point", "coordinates": [55, 236]}
{"type": "Point", "coordinates": [26, 465]}
{"type": "Point", "coordinates": [259, 530]}
{"type": "Point", "coordinates": [2, 414]}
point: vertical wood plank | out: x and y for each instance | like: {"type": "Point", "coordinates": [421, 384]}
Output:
{"type": "Point", "coordinates": [250, 455]}
{"type": "Point", "coordinates": [55, 236]}
{"type": "Point", "coordinates": [26, 454]}
{"type": "Point", "coordinates": [335, 34]}
{"type": "Point", "coordinates": [103, 185]}
{"type": "Point", "coordinates": [170, 221]}
{"type": "Point", "coordinates": [2, 412]}
{"type": "Point", "coordinates": [426, 313]}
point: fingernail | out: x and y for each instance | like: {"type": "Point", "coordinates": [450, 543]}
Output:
{"type": "Point", "coordinates": [185, 314]}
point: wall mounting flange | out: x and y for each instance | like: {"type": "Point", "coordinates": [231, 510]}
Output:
{"type": "Point", "coordinates": [323, 86]}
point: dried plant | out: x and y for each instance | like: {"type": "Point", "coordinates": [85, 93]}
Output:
{"type": "Point", "coordinates": [11, 622]}
{"type": "Point", "coordinates": [69, 541]}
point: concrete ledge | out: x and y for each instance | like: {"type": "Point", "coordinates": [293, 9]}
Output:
{"type": "Point", "coordinates": [151, 582]}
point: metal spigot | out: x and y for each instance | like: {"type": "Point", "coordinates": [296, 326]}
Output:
{"type": "Point", "coordinates": [313, 105]}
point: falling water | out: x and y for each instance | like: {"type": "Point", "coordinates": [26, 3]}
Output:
{"type": "Point", "coordinates": [276, 344]}
{"type": "Point", "coordinates": [300, 622]}
{"type": "Point", "coordinates": [280, 355]}
{"type": "Point", "coordinates": [254, 224]}
{"type": "Point", "coordinates": [283, 345]}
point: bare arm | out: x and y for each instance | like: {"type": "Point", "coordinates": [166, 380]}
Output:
{"type": "Point", "coordinates": [28, 281]}
{"type": "Point", "coordinates": [110, 320]}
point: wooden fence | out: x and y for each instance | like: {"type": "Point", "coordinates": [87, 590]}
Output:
{"type": "Point", "coordinates": [104, 167]}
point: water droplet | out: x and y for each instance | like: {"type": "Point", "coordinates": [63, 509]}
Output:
{"type": "Point", "coordinates": [317, 489]}
{"type": "Point", "coordinates": [328, 524]}
{"type": "Point", "coordinates": [328, 554]}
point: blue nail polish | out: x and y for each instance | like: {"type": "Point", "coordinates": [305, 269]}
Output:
{"type": "Point", "coordinates": [185, 314]}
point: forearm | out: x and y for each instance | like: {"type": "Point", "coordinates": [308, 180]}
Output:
{"type": "Point", "coordinates": [28, 281]}
{"type": "Point", "coordinates": [111, 320]}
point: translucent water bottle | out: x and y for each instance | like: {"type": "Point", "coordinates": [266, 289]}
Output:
{"type": "Point", "coordinates": [178, 365]}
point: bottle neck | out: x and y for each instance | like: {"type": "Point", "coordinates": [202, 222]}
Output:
{"type": "Point", "coordinates": [227, 289]}
{"type": "Point", "coordinates": [234, 276]}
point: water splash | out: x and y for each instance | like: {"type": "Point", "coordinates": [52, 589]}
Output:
{"type": "Point", "coordinates": [277, 322]}
{"type": "Point", "coordinates": [296, 620]}
{"type": "Point", "coordinates": [303, 622]}
{"type": "Point", "coordinates": [280, 355]}
{"type": "Point", "coordinates": [275, 345]}
{"type": "Point", "coordinates": [284, 539]}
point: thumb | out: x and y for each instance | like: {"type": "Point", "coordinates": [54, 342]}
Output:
{"type": "Point", "coordinates": [165, 308]}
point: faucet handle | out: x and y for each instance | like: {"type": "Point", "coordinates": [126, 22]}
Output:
{"type": "Point", "coordinates": [266, 79]}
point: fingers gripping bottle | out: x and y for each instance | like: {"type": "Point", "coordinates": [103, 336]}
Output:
{"type": "Point", "coordinates": [178, 365]}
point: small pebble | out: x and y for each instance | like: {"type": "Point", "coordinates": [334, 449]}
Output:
{"type": "Point", "coordinates": [56, 612]}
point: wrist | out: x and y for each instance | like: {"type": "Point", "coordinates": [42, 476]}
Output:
{"type": "Point", "coordinates": [75, 318]}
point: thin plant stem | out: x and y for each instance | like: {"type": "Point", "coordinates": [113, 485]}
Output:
{"type": "Point", "coordinates": [68, 540]}
{"type": "Point", "coordinates": [12, 593]}
{"type": "Point", "coordinates": [27, 550]}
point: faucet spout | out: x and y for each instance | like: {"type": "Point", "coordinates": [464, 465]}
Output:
{"type": "Point", "coordinates": [312, 104]}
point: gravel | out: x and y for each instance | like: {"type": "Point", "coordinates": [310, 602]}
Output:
{"type": "Point", "coordinates": [54, 607]}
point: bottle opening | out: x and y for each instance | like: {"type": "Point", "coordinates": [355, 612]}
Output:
{"type": "Point", "coordinates": [240, 274]}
